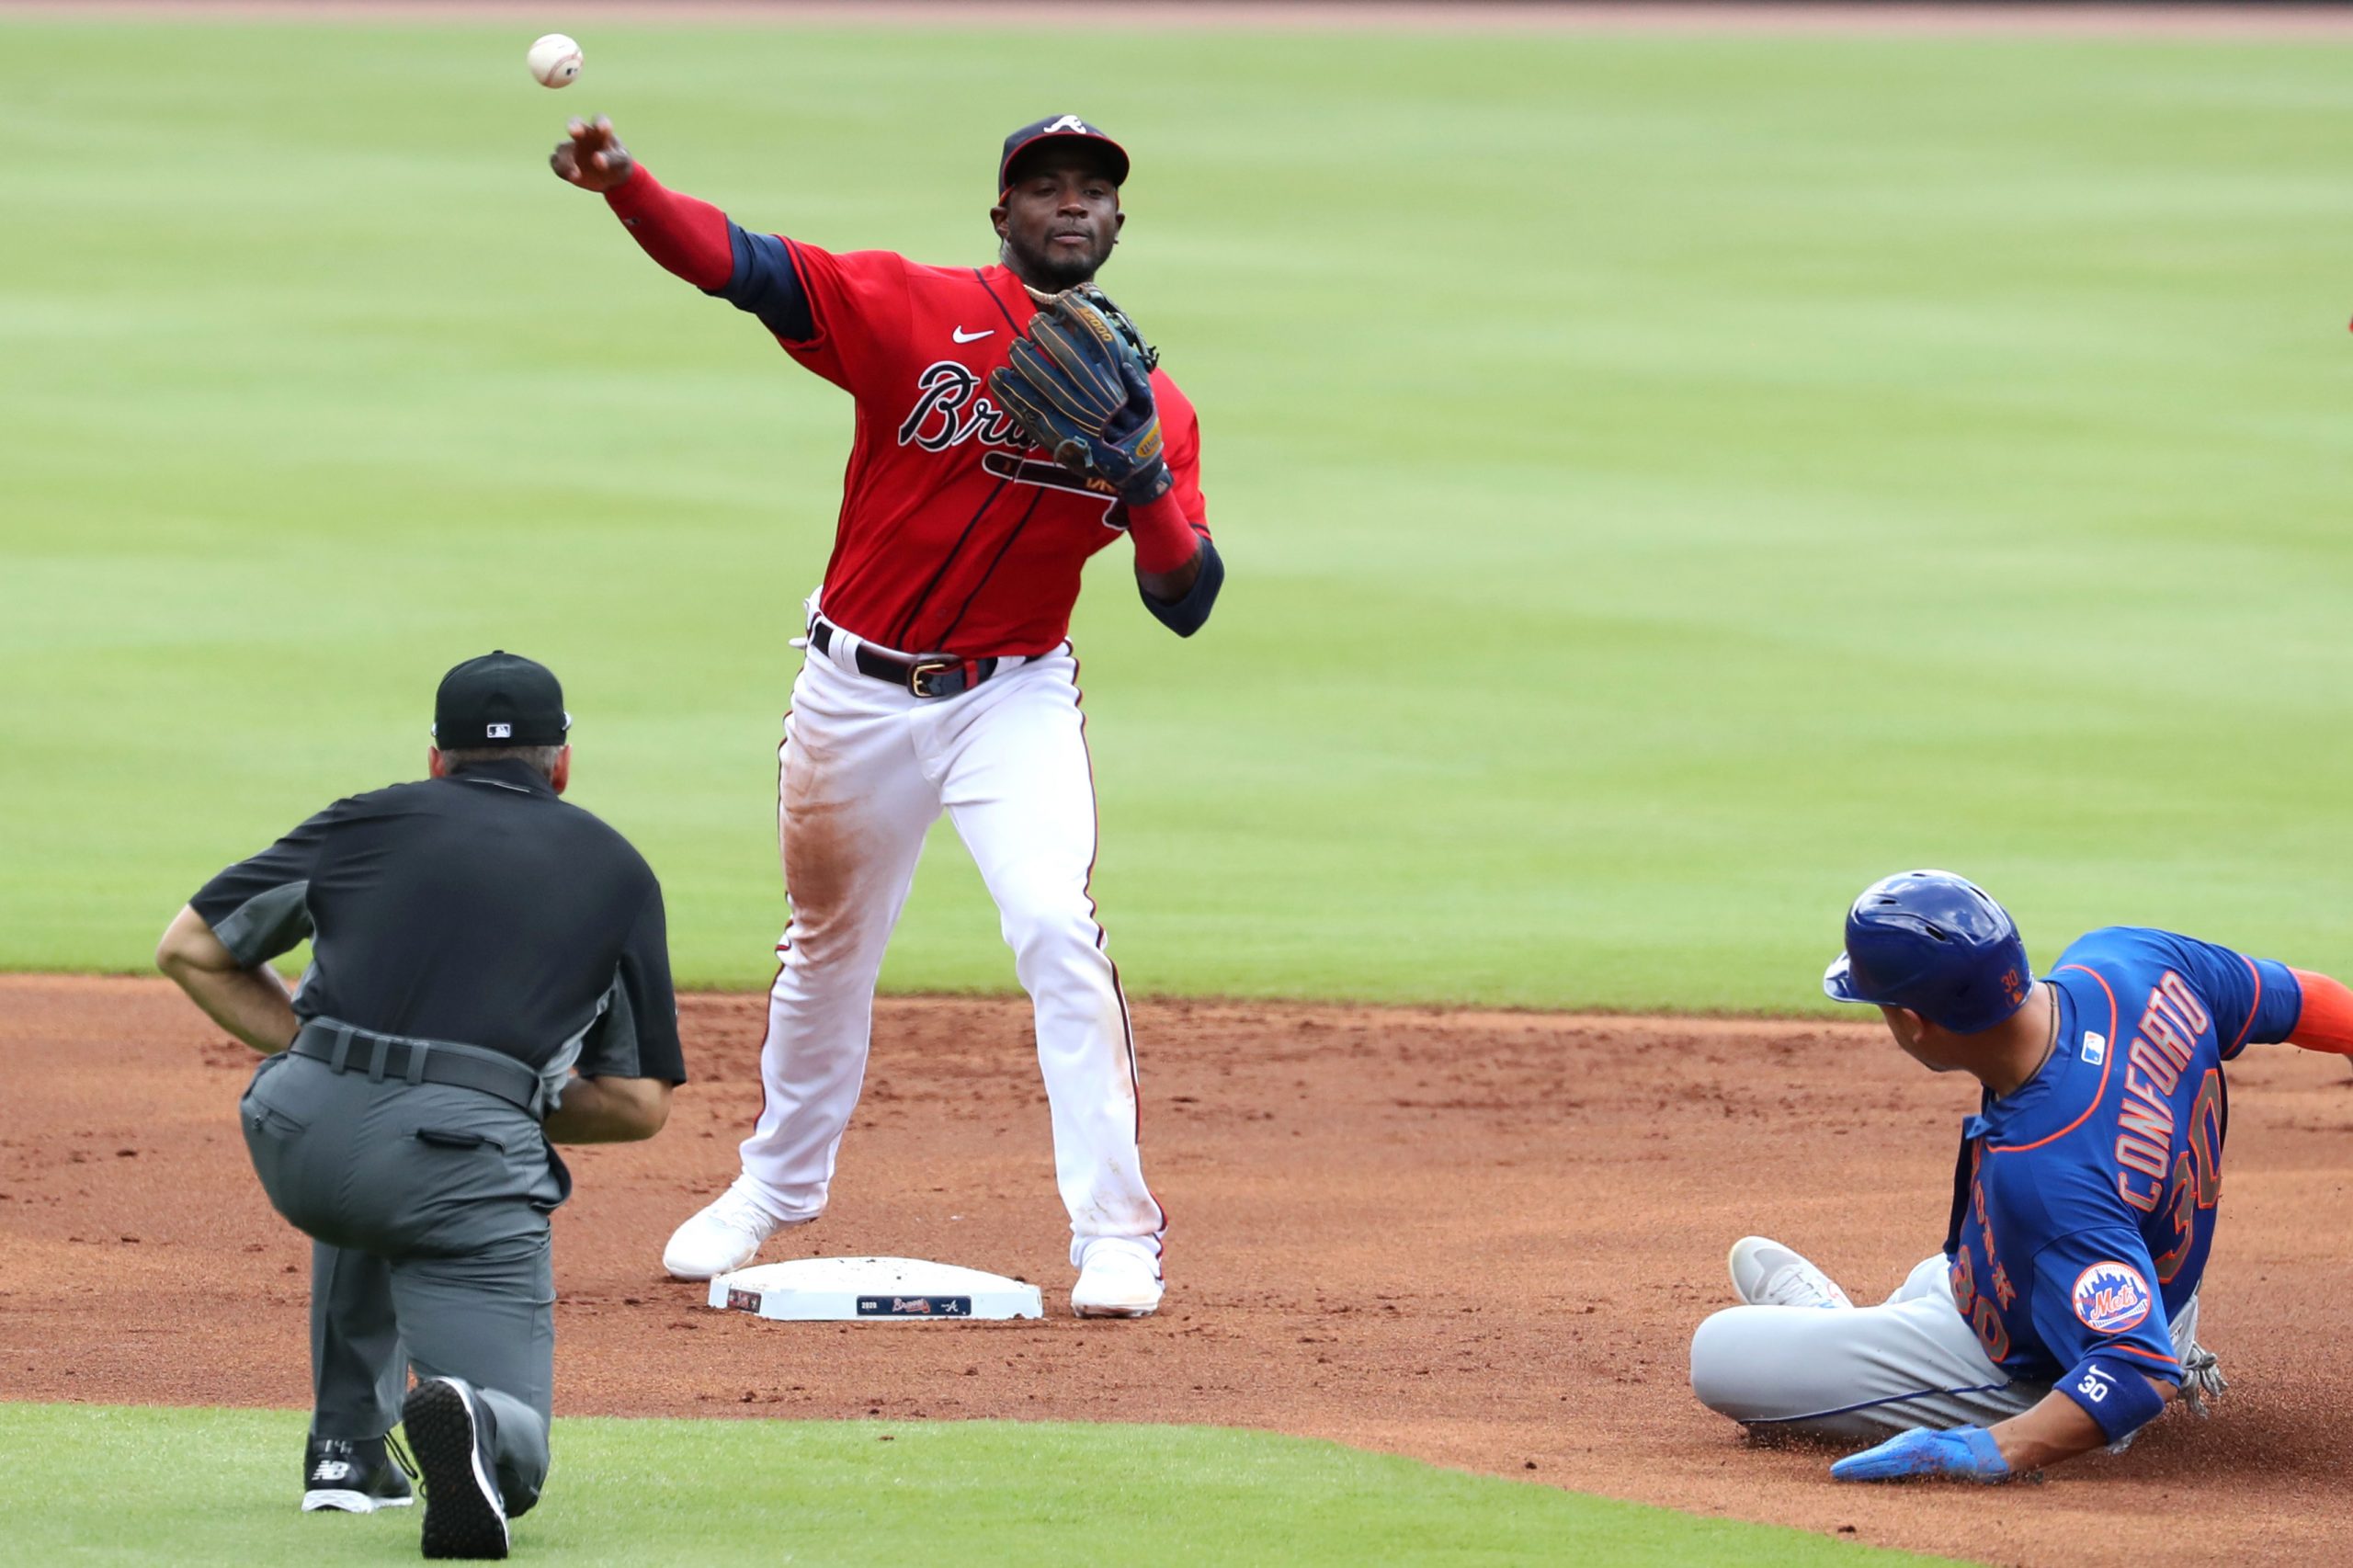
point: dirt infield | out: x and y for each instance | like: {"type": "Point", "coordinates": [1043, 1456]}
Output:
{"type": "Point", "coordinates": [1478, 1238]}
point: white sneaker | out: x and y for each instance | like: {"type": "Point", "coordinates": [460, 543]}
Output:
{"type": "Point", "coordinates": [1766, 1274]}
{"type": "Point", "coordinates": [723, 1238]}
{"type": "Point", "coordinates": [1119, 1278]}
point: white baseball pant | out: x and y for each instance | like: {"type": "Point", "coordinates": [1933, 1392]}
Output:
{"type": "Point", "coordinates": [1864, 1373]}
{"type": "Point", "coordinates": [864, 770]}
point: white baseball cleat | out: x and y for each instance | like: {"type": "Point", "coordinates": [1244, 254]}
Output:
{"type": "Point", "coordinates": [1119, 1278]}
{"type": "Point", "coordinates": [1766, 1274]}
{"type": "Point", "coordinates": [723, 1237]}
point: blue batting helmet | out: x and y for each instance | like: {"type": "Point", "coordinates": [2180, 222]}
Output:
{"type": "Point", "coordinates": [1934, 943]}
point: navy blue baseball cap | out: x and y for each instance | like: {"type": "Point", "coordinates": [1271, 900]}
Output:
{"type": "Point", "coordinates": [499, 700]}
{"type": "Point", "coordinates": [1059, 128]}
{"type": "Point", "coordinates": [1936, 944]}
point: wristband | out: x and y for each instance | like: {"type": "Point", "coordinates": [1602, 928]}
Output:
{"type": "Point", "coordinates": [632, 195]}
{"type": "Point", "coordinates": [1163, 536]}
{"type": "Point", "coordinates": [2324, 1021]}
{"type": "Point", "coordinates": [2117, 1396]}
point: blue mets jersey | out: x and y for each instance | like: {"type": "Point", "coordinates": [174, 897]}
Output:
{"type": "Point", "coordinates": [2084, 1204]}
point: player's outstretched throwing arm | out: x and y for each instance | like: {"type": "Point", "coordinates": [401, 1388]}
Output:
{"type": "Point", "coordinates": [689, 238]}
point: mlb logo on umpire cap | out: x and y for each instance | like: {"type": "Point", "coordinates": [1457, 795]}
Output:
{"type": "Point", "coordinates": [505, 699]}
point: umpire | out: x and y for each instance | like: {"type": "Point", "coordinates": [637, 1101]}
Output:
{"type": "Point", "coordinates": [489, 974]}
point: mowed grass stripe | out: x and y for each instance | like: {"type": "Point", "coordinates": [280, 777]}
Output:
{"type": "Point", "coordinates": [87, 1484]}
{"type": "Point", "coordinates": [1666, 482]}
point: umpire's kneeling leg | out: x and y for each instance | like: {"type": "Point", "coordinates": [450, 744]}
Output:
{"type": "Point", "coordinates": [488, 1316]}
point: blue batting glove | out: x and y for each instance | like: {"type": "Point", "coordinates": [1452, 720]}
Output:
{"type": "Point", "coordinates": [1968, 1452]}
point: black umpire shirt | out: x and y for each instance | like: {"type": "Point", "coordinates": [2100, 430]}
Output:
{"type": "Point", "coordinates": [478, 908]}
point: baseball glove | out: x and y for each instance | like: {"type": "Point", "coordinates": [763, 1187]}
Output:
{"type": "Point", "coordinates": [1080, 386]}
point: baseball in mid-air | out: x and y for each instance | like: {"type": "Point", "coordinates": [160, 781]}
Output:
{"type": "Point", "coordinates": [554, 61]}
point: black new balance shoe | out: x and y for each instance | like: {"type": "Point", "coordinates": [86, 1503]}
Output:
{"type": "Point", "coordinates": [351, 1476]}
{"type": "Point", "coordinates": [465, 1516]}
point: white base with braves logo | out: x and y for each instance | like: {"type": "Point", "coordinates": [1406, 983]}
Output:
{"type": "Point", "coordinates": [873, 1290]}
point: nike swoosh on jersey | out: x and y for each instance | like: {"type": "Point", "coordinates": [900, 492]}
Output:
{"type": "Point", "coordinates": [961, 335]}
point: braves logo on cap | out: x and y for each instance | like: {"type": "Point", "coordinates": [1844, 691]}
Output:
{"type": "Point", "coordinates": [2112, 1298]}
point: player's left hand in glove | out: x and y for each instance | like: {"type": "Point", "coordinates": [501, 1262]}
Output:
{"type": "Point", "coordinates": [1967, 1453]}
{"type": "Point", "coordinates": [1080, 384]}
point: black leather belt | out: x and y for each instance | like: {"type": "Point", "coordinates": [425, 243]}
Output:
{"type": "Point", "coordinates": [383, 1056]}
{"type": "Point", "coordinates": [921, 675]}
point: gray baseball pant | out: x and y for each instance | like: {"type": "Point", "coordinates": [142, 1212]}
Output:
{"type": "Point", "coordinates": [427, 1208]}
{"type": "Point", "coordinates": [1863, 1374]}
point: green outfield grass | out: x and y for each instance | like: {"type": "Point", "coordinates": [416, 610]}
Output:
{"type": "Point", "coordinates": [1665, 482]}
{"type": "Point", "coordinates": [90, 1483]}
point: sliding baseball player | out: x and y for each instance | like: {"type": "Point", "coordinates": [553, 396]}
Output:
{"type": "Point", "coordinates": [2062, 1315]}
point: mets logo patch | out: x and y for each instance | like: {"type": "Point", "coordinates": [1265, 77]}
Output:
{"type": "Point", "coordinates": [2112, 1298]}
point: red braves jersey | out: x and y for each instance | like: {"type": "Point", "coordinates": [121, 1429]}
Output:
{"type": "Point", "coordinates": [956, 536]}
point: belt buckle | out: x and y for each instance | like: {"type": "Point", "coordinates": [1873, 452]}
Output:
{"type": "Point", "coordinates": [919, 677]}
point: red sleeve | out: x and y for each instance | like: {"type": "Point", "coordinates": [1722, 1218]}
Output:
{"type": "Point", "coordinates": [1184, 429]}
{"type": "Point", "coordinates": [1168, 531]}
{"type": "Point", "coordinates": [687, 236]}
{"type": "Point", "coordinates": [2325, 1020]}
{"type": "Point", "coordinates": [859, 302]}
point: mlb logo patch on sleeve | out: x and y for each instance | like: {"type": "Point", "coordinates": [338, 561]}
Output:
{"type": "Point", "coordinates": [2112, 1298]}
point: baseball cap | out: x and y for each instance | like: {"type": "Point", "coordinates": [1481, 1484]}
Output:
{"type": "Point", "coordinates": [499, 700]}
{"type": "Point", "coordinates": [1936, 944]}
{"type": "Point", "coordinates": [1058, 127]}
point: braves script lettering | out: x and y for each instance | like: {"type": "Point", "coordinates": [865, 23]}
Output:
{"type": "Point", "coordinates": [952, 409]}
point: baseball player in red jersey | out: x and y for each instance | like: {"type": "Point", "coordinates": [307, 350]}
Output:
{"type": "Point", "coordinates": [938, 675]}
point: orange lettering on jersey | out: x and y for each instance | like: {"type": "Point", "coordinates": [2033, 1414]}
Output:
{"type": "Point", "coordinates": [2185, 1229]}
{"type": "Point", "coordinates": [2142, 1110]}
{"type": "Point", "coordinates": [2139, 1155]}
{"type": "Point", "coordinates": [2158, 1067]}
{"type": "Point", "coordinates": [2003, 1289]}
{"type": "Point", "coordinates": [2162, 1030]}
{"type": "Point", "coordinates": [2192, 1010]}
{"type": "Point", "coordinates": [2146, 1202]}
{"type": "Point", "coordinates": [1990, 1331]}
{"type": "Point", "coordinates": [1985, 1224]}
{"type": "Point", "coordinates": [2206, 1138]}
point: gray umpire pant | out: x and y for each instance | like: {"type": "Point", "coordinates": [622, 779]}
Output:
{"type": "Point", "coordinates": [427, 1208]}
{"type": "Point", "coordinates": [1862, 1374]}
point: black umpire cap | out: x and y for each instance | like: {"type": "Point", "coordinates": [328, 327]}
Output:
{"type": "Point", "coordinates": [499, 700]}
{"type": "Point", "coordinates": [1058, 127]}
